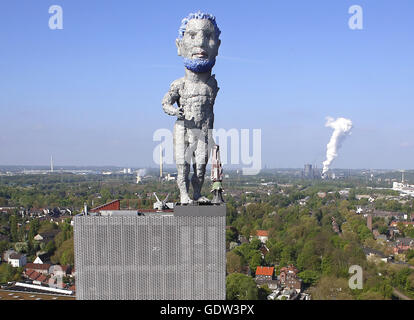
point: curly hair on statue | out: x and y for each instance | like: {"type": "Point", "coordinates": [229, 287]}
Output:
{"type": "Point", "coordinates": [198, 15]}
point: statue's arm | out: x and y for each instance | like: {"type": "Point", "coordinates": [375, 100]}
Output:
{"type": "Point", "coordinates": [171, 97]}
{"type": "Point", "coordinates": [213, 84]}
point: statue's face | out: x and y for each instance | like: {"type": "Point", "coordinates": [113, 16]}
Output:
{"type": "Point", "coordinates": [199, 41]}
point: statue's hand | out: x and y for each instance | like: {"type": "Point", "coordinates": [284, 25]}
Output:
{"type": "Point", "coordinates": [180, 113]}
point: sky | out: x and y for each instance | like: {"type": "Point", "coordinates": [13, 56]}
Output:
{"type": "Point", "coordinates": [90, 94]}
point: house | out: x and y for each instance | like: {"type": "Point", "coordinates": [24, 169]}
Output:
{"type": "Point", "coordinates": [38, 237]}
{"type": "Point", "coordinates": [42, 268]}
{"type": "Point", "coordinates": [264, 273]}
{"type": "Point", "coordinates": [264, 276]}
{"type": "Point", "coordinates": [289, 279]}
{"type": "Point", "coordinates": [374, 255]}
{"type": "Point", "coordinates": [381, 237]}
{"type": "Point", "coordinates": [242, 239]}
{"type": "Point", "coordinates": [46, 236]}
{"type": "Point", "coordinates": [403, 244]}
{"type": "Point", "coordinates": [262, 235]}
{"type": "Point", "coordinates": [284, 294]}
{"type": "Point", "coordinates": [113, 205]}
{"type": "Point", "coordinates": [36, 277]}
{"type": "Point", "coordinates": [7, 254]}
{"type": "Point", "coordinates": [404, 223]}
{"type": "Point", "coordinates": [58, 270]}
{"type": "Point", "coordinates": [41, 279]}
{"type": "Point", "coordinates": [393, 231]}
{"type": "Point", "coordinates": [302, 202]}
{"type": "Point", "coordinates": [42, 257]}
{"type": "Point", "coordinates": [33, 212]}
{"type": "Point", "coordinates": [31, 274]}
{"type": "Point", "coordinates": [17, 260]}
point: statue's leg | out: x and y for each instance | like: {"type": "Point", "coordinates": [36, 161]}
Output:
{"type": "Point", "coordinates": [201, 158]}
{"type": "Point", "coordinates": [183, 171]}
{"type": "Point", "coordinates": [183, 166]}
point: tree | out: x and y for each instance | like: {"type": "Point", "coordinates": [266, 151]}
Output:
{"type": "Point", "coordinates": [64, 254]}
{"type": "Point", "coordinates": [255, 260]}
{"type": "Point", "coordinates": [263, 292]}
{"type": "Point", "coordinates": [309, 277]}
{"type": "Point", "coordinates": [46, 227]}
{"type": "Point", "coordinates": [331, 288]}
{"type": "Point", "coordinates": [240, 287]}
{"type": "Point", "coordinates": [21, 247]}
{"type": "Point", "coordinates": [4, 245]}
{"type": "Point", "coordinates": [8, 273]}
{"type": "Point", "coordinates": [13, 228]}
{"type": "Point", "coordinates": [233, 262]}
{"type": "Point", "coordinates": [34, 226]}
{"type": "Point", "coordinates": [231, 235]}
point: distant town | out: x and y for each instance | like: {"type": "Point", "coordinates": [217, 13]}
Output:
{"type": "Point", "coordinates": [290, 235]}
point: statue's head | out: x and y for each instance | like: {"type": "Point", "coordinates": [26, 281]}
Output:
{"type": "Point", "coordinates": [198, 41]}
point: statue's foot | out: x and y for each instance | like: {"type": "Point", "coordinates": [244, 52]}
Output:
{"type": "Point", "coordinates": [185, 199]}
{"type": "Point", "coordinates": [203, 200]}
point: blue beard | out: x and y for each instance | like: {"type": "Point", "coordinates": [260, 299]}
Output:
{"type": "Point", "coordinates": [199, 65]}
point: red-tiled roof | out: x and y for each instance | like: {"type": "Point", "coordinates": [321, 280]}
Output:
{"type": "Point", "coordinates": [265, 271]}
{"type": "Point", "coordinates": [42, 278]}
{"type": "Point", "coordinates": [113, 205]}
{"type": "Point", "coordinates": [38, 266]}
{"type": "Point", "coordinates": [29, 272]}
{"type": "Point", "coordinates": [34, 275]}
{"type": "Point", "coordinates": [262, 233]}
{"type": "Point", "coordinates": [290, 268]}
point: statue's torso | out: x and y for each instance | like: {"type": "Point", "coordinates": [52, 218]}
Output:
{"type": "Point", "coordinates": [197, 100]}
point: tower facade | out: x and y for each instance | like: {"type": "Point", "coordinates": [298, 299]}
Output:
{"type": "Point", "coordinates": [158, 256]}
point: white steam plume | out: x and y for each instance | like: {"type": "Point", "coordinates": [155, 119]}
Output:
{"type": "Point", "coordinates": [342, 128]}
{"type": "Point", "coordinates": [141, 172]}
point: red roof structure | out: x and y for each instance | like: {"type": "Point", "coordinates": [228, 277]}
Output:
{"type": "Point", "coordinates": [37, 266]}
{"type": "Point", "coordinates": [34, 275]}
{"type": "Point", "coordinates": [113, 205]}
{"type": "Point", "coordinates": [42, 278]}
{"type": "Point", "coordinates": [262, 233]}
{"type": "Point", "coordinates": [289, 269]}
{"type": "Point", "coordinates": [265, 271]}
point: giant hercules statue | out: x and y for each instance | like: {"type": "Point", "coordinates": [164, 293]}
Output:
{"type": "Point", "coordinates": [198, 43]}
